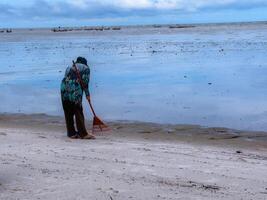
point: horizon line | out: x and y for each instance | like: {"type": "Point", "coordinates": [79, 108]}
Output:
{"type": "Point", "coordinates": [145, 25]}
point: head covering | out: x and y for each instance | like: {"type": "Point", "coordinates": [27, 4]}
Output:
{"type": "Point", "coordinates": [81, 60]}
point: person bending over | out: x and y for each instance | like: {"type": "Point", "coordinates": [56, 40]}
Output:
{"type": "Point", "coordinates": [71, 96]}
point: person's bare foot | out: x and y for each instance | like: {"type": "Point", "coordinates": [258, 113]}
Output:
{"type": "Point", "coordinates": [74, 137]}
{"type": "Point", "coordinates": [88, 137]}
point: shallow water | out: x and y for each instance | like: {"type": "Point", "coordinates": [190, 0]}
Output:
{"type": "Point", "coordinates": [199, 76]}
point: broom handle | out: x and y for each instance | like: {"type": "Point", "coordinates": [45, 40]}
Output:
{"type": "Point", "coordinates": [83, 86]}
{"type": "Point", "coordinates": [89, 101]}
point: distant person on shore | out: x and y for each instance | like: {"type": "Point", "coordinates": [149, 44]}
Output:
{"type": "Point", "coordinates": [71, 96]}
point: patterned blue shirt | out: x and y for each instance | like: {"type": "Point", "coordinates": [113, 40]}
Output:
{"type": "Point", "coordinates": [71, 90]}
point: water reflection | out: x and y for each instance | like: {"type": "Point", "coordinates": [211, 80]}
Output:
{"type": "Point", "coordinates": [209, 78]}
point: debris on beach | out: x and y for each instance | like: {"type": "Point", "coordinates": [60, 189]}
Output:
{"type": "Point", "coordinates": [181, 26]}
{"type": "Point", "coordinates": [116, 28]}
{"type": "Point", "coordinates": [157, 26]}
{"type": "Point", "coordinates": [6, 30]}
{"type": "Point", "coordinates": [3, 134]}
{"type": "Point", "coordinates": [97, 28]}
{"type": "Point", "coordinates": [210, 187]}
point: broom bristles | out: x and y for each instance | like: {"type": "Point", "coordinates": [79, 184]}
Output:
{"type": "Point", "coordinates": [98, 125]}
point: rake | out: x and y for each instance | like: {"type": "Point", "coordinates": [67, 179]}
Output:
{"type": "Point", "coordinates": [98, 124]}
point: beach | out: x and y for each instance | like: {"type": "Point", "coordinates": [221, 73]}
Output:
{"type": "Point", "coordinates": [133, 160]}
{"type": "Point", "coordinates": [186, 107]}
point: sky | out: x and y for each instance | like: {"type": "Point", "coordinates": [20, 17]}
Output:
{"type": "Point", "coordinates": [53, 13]}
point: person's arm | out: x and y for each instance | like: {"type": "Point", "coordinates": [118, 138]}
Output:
{"type": "Point", "coordinates": [85, 79]}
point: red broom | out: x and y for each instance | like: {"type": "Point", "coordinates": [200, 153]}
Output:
{"type": "Point", "coordinates": [98, 124]}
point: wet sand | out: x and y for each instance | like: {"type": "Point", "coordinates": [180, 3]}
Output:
{"type": "Point", "coordinates": [132, 161]}
{"type": "Point", "coordinates": [211, 75]}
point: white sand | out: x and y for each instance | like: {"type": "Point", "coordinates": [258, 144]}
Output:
{"type": "Point", "coordinates": [134, 161]}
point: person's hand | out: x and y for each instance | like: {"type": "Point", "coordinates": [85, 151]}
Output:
{"type": "Point", "coordinates": [88, 98]}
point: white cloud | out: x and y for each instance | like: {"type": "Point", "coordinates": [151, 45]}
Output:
{"type": "Point", "coordinates": [126, 4]}
{"type": "Point", "coordinates": [186, 5]}
{"type": "Point", "coordinates": [162, 4]}
{"type": "Point", "coordinates": [130, 11]}
{"type": "Point", "coordinates": [78, 3]}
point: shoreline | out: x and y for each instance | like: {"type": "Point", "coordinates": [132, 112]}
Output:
{"type": "Point", "coordinates": [264, 22]}
{"type": "Point", "coordinates": [216, 136]}
{"type": "Point", "coordinates": [39, 34]}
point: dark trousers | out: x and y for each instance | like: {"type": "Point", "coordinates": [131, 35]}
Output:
{"type": "Point", "coordinates": [70, 110]}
